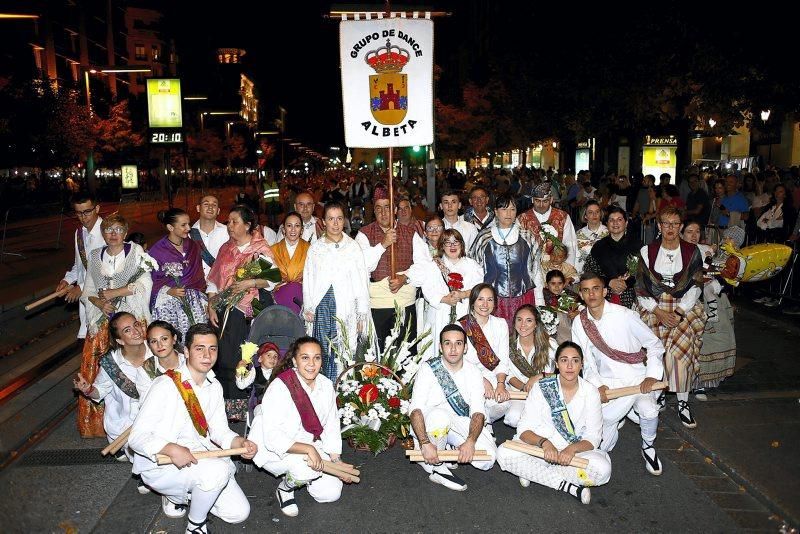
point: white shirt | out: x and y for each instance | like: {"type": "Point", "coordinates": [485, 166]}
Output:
{"type": "Point", "coordinates": [243, 382]}
{"type": "Point", "coordinates": [277, 425]}
{"type": "Point", "coordinates": [428, 394]}
{"type": "Point", "coordinates": [772, 218]}
{"type": "Point", "coordinates": [496, 332]}
{"type": "Point", "coordinates": [569, 238]}
{"type": "Point", "coordinates": [668, 263]}
{"type": "Point", "coordinates": [586, 239]}
{"type": "Point", "coordinates": [77, 275]}
{"type": "Point", "coordinates": [143, 380]}
{"type": "Point", "coordinates": [163, 419]}
{"type": "Point", "coordinates": [624, 330]}
{"type": "Point", "coordinates": [213, 241]}
{"type": "Point", "coordinates": [269, 235]}
{"type": "Point", "coordinates": [585, 412]}
{"type": "Point", "coordinates": [120, 409]}
{"type": "Point", "coordinates": [513, 372]}
{"type": "Point", "coordinates": [466, 229]}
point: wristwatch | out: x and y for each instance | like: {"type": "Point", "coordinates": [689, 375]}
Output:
{"type": "Point", "coordinates": [424, 442]}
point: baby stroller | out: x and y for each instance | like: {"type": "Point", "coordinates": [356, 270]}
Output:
{"type": "Point", "coordinates": [281, 326]}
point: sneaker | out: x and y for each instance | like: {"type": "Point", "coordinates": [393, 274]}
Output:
{"type": "Point", "coordinates": [196, 528]}
{"type": "Point", "coordinates": [771, 303]}
{"type": "Point", "coordinates": [141, 488]}
{"type": "Point", "coordinates": [700, 394]}
{"type": "Point", "coordinates": [651, 461]}
{"type": "Point", "coordinates": [524, 482]}
{"type": "Point", "coordinates": [685, 414]}
{"type": "Point", "coordinates": [121, 457]}
{"type": "Point", "coordinates": [171, 509]}
{"type": "Point", "coordinates": [447, 479]}
{"type": "Point", "coordinates": [582, 493]}
{"type": "Point", "coordinates": [761, 300]}
{"type": "Point", "coordinates": [286, 502]}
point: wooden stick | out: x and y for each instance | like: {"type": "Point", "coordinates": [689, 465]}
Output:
{"type": "Point", "coordinates": [163, 459]}
{"type": "Point", "coordinates": [342, 467]}
{"type": "Point", "coordinates": [338, 471]}
{"type": "Point", "coordinates": [117, 444]}
{"type": "Point", "coordinates": [418, 452]}
{"type": "Point", "coordinates": [538, 452]}
{"type": "Point", "coordinates": [48, 298]}
{"type": "Point", "coordinates": [631, 390]}
{"type": "Point", "coordinates": [517, 395]}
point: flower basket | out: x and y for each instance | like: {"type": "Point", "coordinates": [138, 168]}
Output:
{"type": "Point", "coordinates": [376, 435]}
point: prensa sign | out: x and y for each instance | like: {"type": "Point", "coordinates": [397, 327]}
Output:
{"type": "Point", "coordinates": [387, 82]}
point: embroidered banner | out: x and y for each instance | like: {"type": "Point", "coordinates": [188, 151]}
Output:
{"type": "Point", "coordinates": [387, 82]}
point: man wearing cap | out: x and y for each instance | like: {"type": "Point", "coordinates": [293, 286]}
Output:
{"type": "Point", "coordinates": [387, 288]}
{"type": "Point", "coordinates": [450, 203]}
{"type": "Point", "coordinates": [543, 213]}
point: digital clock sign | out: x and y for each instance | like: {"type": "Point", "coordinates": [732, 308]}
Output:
{"type": "Point", "coordinates": [168, 137]}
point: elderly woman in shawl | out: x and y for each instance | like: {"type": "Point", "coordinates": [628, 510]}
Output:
{"type": "Point", "coordinates": [668, 284]}
{"type": "Point", "coordinates": [290, 257]}
{"type": "Point", "coordinates": [178, 284]}
{"type": "Point", "coordinates": [245, 245]}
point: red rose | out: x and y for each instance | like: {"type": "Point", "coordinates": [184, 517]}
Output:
{"type": "Point", "coordinates": [385, 372]}
{"type": "Point", "coordinates": [368, 393]}
{"type": "Point", "coordinates": [457, 276]}
{"type": "Point", "coordinates": [394, 402]}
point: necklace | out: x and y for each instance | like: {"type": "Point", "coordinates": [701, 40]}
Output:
{"type": "Point", "coordinates": [500, 231]}
{"type": "Point", "coordinates": [174, 243]}
{"type": "Point", "coordinates": [335, 243]}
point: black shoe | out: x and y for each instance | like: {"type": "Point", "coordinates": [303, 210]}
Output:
{"type": "Point", "coordinates": [197, 528]}
{"type": "Point", "coordinates": [685, 414]}
{"type": "Point", "coordinates": [662, 401]}
{"type": "Point", "coordinates": [582, 493]}
{"type": "Point", "coordinates": [286, 502]}
{"type": "Point", "coordinates": [651, 461]}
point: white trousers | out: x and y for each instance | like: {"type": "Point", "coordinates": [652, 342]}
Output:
{"type": "Point", "coordinates": [321, 486]}
{"type": "Point", "coordinates": [445, 428]}
{"type": "Point", "coordinates": [495, 410]}
{"type": "Point", "coordinates": [514, 413]}
{"type": "Point", "coordinates": [644, 404]}
{"type": "Point", "coordinates": [210, 474]}
{"type": "Point", "coordinates": [597, 473]}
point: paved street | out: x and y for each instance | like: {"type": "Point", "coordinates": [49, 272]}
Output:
{"type": "Point", "coordinates": [728, 475]}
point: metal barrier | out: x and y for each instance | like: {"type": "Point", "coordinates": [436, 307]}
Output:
{"type": "Point", "coordinates": [22, 232]}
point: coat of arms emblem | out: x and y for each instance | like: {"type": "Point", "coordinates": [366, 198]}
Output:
{"type": "Point", "coordinates": [388, 89]}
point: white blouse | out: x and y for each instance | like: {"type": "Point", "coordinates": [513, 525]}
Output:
{"type": "Point", "coordinates": [668, 264]}
{"type": "Point", "coordinates": [496, 332]}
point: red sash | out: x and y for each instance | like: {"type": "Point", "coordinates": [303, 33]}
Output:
{"type": "Point", "coordinates": [190, 401]}
{"type": "Point", "coordinates": [475, 334]}
{"type": "Point", "coordinates": [308, 416]}
{"type": "Point", "coordinates": [617, 355]}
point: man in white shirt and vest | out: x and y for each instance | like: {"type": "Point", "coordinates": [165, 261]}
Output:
{"type": "Point", "coordinates": [450, 204]}
{"type": "Point", "coordinates": [88, 237]}
{"type": "Point", "coordinates": [208, 232]}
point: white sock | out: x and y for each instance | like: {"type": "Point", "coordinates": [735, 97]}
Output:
{"type": "Point", "coordinates": [683, 396]}
{"type": "Point", "coordinates": [648, 428]}
{"type": "Point", "coordinates": [202, 502]}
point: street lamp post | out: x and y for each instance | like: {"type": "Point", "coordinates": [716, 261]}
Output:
{"type": "Point", "coordinates": [764, 118]}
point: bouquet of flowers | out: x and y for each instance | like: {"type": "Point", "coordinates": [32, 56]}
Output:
{"type": "Point", "coordinates": [566, 302]}
{"type": "Point", "coordinates": [174, 270]}
{"type": "Point", "coordinates": [632, 264]}
{"type": "Point", "coordinates": [374, 390]}
{"type": "Point", "coordinates": [146, 264]}
{"type": "Point", "coordinates": [258, 269]}
{"type": "Point", "coordinates": [549, 235]}
{"type": "Point", "coordinates": [549, 317]}
{"type": "Point", "coordinates": [249, 349]}
{"type": "Point", "coordinates": [455, 282]}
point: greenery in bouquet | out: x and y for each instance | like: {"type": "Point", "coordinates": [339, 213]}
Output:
{"type": "Point", "coordinates": [373, 393]}
{"type": "Point", "coordinates": [632, 265]}
{"type": "Point", "coordinates": [566, 302]}
{"type": "Point", "coordinates": [258, 269]}
{"type": "Point", "coordinates": [549, 317]}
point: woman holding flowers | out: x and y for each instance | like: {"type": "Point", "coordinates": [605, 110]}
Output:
{"type": "Point", "coordinates": [510, 257]}
{"type": "Point", "coordinates": [446, 282]}
{"type": "Point", "coordinates": [335, 290]}
{"type": "Point", "coordinates": [532, 352]}
{"type": "Point", "coordinates": [179, 283]}
{"type": "Point", "coordinates": [301, 427]}
{"type": "Point", "coordinates": [117, 280]}
{"type": "Point", "coordinates": [235, 287]}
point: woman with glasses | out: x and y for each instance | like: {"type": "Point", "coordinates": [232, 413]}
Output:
{"type": "Point", "coordinates": [434, 227]}
{"type": "Point", "coordinates": [510, 257]}
{"type": "Point", "coordinates": [117, 280]}
{"type": "Point", "coordinates": [179, 284]}
{"type": "Point", "coordinates": [668, 286]}
{"type": "Point", "coordinates": [446, 282]}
